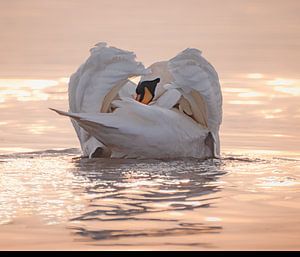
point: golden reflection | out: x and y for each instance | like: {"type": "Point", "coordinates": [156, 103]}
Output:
{"type": "Point", "coordinates": [176, 213]}
{"type": "Point", "coordinates": [213, 219]}
{"type": "Point", "coordinates": [271, 114]}
{"type": "Point", "coordinates": [252, 102]}
{"type": "Point", "coordinates": [14, 92]}
{"type": "Point", "coordinates": [23, 95]}
{"type": "Point", "coordinates": [280, 82]}
{"type": "Point", "coordinates": [32, 89]}
{"type": "Point", "coordinates": [251, 94]}
{"type": "Point", "coordinates": [64, 80]}
{"type": "Point", "coordinates": [15, 149]}
{"type": "Point", "coordinates": [42, 181]}
{"type": "Point", "coordinates": [235, 90]}
{"type": "Point", "coordinates": [39, 129]}
{"type": "Point", "coordinates": [261, 152]}
{"type": "Point", "coordinates": [274, 182]}
{"type": "Point", "coordinates": [254, 76]}
{"type": "Point", "coordinates": [287, 86]}
{"type": "Point", "coordinates": [295, 91]}
{"type": "Point", "coordinates": [261, 82]}
{"type": "Point", "coordinates": [280, 135]}
{"type": "Point", "coordinates": [29, 83]}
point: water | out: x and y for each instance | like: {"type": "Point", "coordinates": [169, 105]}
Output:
{"type": "Point", "coordinates": [51, 198]}
{"type": "Point", "coordinates": [56, 200]}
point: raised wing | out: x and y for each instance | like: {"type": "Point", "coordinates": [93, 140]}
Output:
{"type": "Point", "coordinates": [97, 83]}
{"type": "Point", "coordinates": [197, 78]}
{"type": "Point", "coordinates": [198, 81]}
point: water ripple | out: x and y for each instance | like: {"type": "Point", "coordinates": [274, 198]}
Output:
{"type": "Point", "coordinates": [110, 201]}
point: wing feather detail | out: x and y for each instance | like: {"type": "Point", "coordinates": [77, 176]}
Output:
{"type": "Point", "coordinates": [96, 84]}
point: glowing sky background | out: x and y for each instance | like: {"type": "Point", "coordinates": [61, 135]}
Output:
{"type": "Point", "coordinates": [254, 46]}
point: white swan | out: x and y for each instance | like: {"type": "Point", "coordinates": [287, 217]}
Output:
{"type": "Point", "coordinates": [177, 111]}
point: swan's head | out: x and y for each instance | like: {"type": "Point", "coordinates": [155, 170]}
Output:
{"type": "Point", "coordinates": [145, 90]}
{"type": "Point", "coordinates": [157, 73]}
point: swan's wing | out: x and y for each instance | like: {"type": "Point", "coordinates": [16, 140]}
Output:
{"type": "Point", "coordinates": [138, 130]}
{"type": "Point", "coordinates": [107, 67]}
{"type": "Point", "coordinates": [97, 82]}
{"type": "Point", "coordinates": [198, 81]}
{"type": "Point", "coordinates": [168, 99]}
{"type": "Point", "coordinates": [193, 74]}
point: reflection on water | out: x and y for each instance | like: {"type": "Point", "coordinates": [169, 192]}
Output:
{"type": "Point", "coordinates": [25, 90]}
{"type": "Point", "coordinates": [148, 191]}
{"type": "Point", "coordinates": [30, 185]}
{"type": "Point", "coordinates": [182, 202]}
{"type": "Point", "coordinates": [111, 199]}
{"type": "Point", "coordinates": [257, 108]}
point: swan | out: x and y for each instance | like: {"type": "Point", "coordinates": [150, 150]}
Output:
{"type": "Point", "coordinates": [174, 111]}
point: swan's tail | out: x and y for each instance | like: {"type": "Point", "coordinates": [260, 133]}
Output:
{"type": "Point", "coordinates": [103, 126]}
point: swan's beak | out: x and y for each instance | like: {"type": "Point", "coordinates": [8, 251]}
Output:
{"type": "Point", "coordinates": [147, 97]}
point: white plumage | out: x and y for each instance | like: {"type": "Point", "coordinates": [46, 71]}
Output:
{"type": "Point", "coordinates": [106, 68]}
{"type": "Point", "coordinates": [182, 120]}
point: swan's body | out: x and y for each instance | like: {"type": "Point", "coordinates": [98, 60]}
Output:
{"type": "Point", "coordinates": [182, 120]}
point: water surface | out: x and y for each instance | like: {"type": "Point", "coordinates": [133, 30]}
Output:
{"type": "Point", "coordinates": [55, 200]}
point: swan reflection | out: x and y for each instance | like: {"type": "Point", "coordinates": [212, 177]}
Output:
{"type": "Point", "coordinates": [147, 198]}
